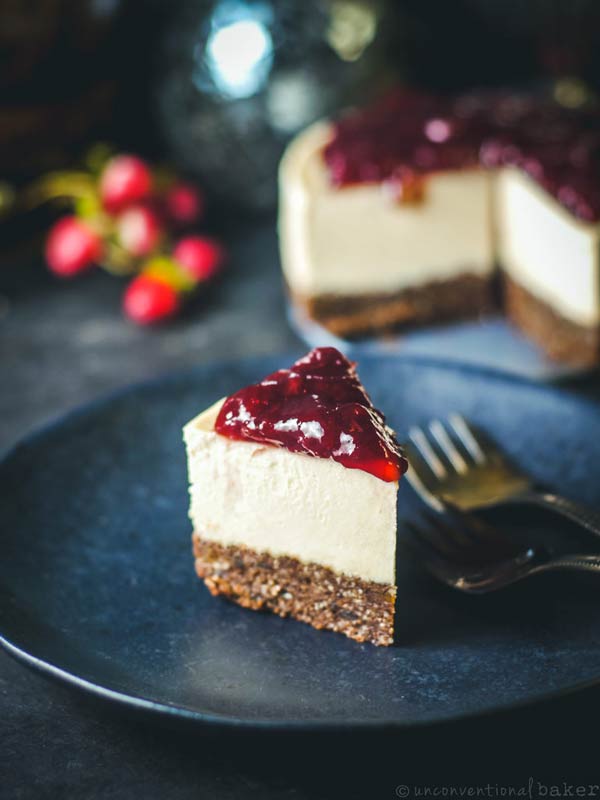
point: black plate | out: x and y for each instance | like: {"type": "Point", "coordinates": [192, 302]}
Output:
{"type": "Point", "coordinates": [97, 585]}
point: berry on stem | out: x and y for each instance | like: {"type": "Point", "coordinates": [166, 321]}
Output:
{"type": "Point", "coordinates": [184, 203]}
{"type": "Point", "coordinates": [147, 300]}
{"type": "Point", "coordinates": [139, 230]}
{"type": "Point", "coordinates": [125, 180]}
{"type": "Point", "coordinates": [72, 247]}
{"type": "Point", "coordinates": [199, 256]}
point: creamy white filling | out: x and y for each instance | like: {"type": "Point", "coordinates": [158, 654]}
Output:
{"type": "Point", "coordinates": [269, 499]}
{"type": "Point", "coordinates": [547, 250]}
{"type": "Point", "coordinates": [355, 240]}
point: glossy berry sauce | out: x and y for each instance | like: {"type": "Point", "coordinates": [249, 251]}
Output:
{"type": "Point", "coordinates": [318, 407]}
{"type": "Point", "coordinates": [409, 135]}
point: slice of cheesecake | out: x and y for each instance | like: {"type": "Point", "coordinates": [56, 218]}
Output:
{"type": "Point", "coordinates": [293, 485]}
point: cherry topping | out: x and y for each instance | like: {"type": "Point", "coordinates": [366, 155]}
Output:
{"type": "Point", "coordinates": [317, 407]}
{"type": "Point", "coordinates": [409, 135]}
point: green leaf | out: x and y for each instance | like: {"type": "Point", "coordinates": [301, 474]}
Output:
{"type": "Point", "coordinates": [169, 271]}
{"type": "Point", "coordinates": [96, 157]}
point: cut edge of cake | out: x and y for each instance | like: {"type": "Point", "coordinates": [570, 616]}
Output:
{"type": "Point", "coordinates": [551, 281]}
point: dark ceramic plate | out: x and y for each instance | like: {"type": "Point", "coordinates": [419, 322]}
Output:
{"type": "Point", "coordinates": [97, 586]}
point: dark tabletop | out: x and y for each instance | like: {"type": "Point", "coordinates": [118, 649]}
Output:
{"type": "Point", "coordinates": [62, 344]}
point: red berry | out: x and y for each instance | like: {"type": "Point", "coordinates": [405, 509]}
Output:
{"type": "Point", "coordinates": [139, 230]}
{"type": "Point", "coordinates": [72, 247]}
{"type": "Point", "coordinates": [124, 180]}
{"type": "Point", "coordinates": [184, 203]}
{"type": "Point", "coordinates": [199, 257]}
{"type": "Point", "coordinates": [148, 300]}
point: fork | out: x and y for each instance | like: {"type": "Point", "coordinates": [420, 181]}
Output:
{"type": "Point", "coordinates": [474, 557]}
{"type": "Point", "coordinates": [452, 464]}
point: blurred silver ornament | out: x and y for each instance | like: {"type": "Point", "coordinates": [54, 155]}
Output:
{"type": "Point", "coordinates": [236, 80]}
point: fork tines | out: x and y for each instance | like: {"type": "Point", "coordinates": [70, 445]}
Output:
{"type": "Point", "coordinates": [439, 451]}
{"type": "Point", "coordinates": [454, 439]}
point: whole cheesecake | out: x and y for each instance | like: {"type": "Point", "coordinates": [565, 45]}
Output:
{"type": "Point", "coordinates": [293, 485]}
{"type": "Point", "coordinates": [405, 214]}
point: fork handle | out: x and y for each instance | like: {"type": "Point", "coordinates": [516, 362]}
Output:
{"type": "Point", "coordinates": [567, 508]}
{"type": "Point", "coordinates": [582, 563]}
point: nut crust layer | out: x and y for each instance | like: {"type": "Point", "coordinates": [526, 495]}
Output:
{"type": "Point", "coordinates": [361, 610]}
{"type": "Point", "coordinates": [464, 297]}
{"type": "Point", "coordinates": [562, 339]}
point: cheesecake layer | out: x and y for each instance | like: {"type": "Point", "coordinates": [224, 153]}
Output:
{"type": "Point", "coordinates": [546, 250]}
{"type": "Point", "coordinates": [466, 296]}
{"type": "Point", "coordinates": [271, 500]}
{"type": "Point", "coordinates": [357, 240]}
{"type": "Point", "coordinates": [362, 610]}
{"type": "Point", "coordinates": [562, 339]}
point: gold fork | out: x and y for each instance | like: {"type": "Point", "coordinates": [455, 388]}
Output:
{"type": "Point", "coordinates": [455, 465]}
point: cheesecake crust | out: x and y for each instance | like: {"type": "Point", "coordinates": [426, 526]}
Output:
{"type": "Point", "coordinates": [361, 610]}
{"type": "Point", "coordinates": [560, 338]}
{"type": "Point", "coordinates": [464, 297]}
